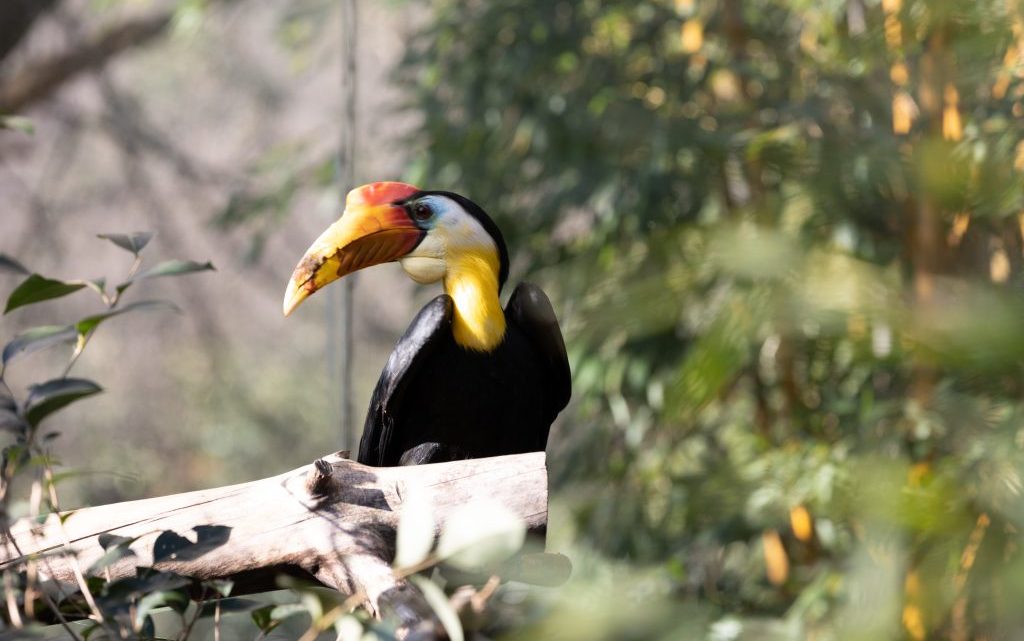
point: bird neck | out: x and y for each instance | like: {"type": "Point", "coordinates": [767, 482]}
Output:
{"type": "Point", "coordinates": [472, 282]}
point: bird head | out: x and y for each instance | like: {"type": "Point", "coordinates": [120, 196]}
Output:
{"type": "Point", "coordinates": [428, 232]}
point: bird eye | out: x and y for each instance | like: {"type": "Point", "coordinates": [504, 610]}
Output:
{"type": "Point", "coordinates": [421, 211]}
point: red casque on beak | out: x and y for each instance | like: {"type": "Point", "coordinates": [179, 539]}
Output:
{"type": "Point", "coordinates": [372, 230]}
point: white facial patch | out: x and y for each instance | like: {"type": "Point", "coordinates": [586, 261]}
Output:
{"type": "Point", "coordinates": [453, 230]}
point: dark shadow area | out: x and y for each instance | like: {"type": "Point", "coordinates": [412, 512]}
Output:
{"type": "Point", "coordinates": [171, 546]}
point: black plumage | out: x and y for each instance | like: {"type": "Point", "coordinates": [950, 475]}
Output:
{"type": "Point", "coordinates": [437, 401]}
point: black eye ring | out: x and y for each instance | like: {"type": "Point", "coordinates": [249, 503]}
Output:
{"type": "Point", "coordinates": [421, 211]}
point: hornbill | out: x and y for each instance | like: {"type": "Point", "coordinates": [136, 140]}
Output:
{"type": "Point", "coordinates": [467, 379]}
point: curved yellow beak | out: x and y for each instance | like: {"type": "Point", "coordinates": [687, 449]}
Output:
{"type": "Point", "coordinates": [365, 235]}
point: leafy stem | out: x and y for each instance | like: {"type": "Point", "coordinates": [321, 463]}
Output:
{"type": "Point", "coordinates": [83, 340]}
{"type": "Point", "coordinates": [111, 301]}
{"type": "Point", "coordinates": [25, 417]}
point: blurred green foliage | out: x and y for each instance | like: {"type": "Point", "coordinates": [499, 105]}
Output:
{"type": "Point", "coordinates": [785, 238]}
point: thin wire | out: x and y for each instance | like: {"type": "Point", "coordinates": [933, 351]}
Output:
{"type": "Point", "coordinates": [346, 180]}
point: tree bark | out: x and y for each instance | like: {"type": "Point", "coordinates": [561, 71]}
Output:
{"type": "Point", "coordinates": [333, 520]}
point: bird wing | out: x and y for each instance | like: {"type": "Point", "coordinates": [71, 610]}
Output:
{"type": "Point", "coordinates": [530, 309]}
{"type": "Point", "coordinates": [412, 350]}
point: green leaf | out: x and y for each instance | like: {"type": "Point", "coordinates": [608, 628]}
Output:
{"type": "Point", "coordinates": [134, 242]}
{"type": "Point", "coordinates": [110, 557]}
{"type": "Point", "coordinates": [37, 338]}
{"type": "Point", "coordinates": [709, 366]}
{"type": "Point", "coordinates": [269, 617]}
{"type": "Point", "coordinates": [175, 268]}
{"type": "Point", "coordinates": [8, 264]}
{"type": "Point", "coordinates": [10, 421]}
{"type": "Point", "coordinates": [116, 595]}
{"type": "Point", "coordinates": [46, 398]}
{"type": "Point", "coordinates": [92, 629]}
{"type": "Point", "coordinates": [479, 534]}
{"type": "Point", "coordinates": [36, 289]}
{"type": "Point", "coordinates": [349, 628]}
{"type": "Point", "coordinates": [228, 605]}
{"type": "Point", "coordinates": [287, 610]}
{"type": "Point", "coordinates": [148, 628]}
{"type": "Point", "coordinates": [90, 323]}
{"type": "Point", "coordinates": [442, 607]}
{"type": "Point", "coordinates": [22, 124]}
{"type": "Point", "coordinates": [175, 599]}
{"type": "Point", "coordinates": [415, 529]}
{"type": "Point", "coordinates": [222, 587]}
{"type": "Point", "coordinates": [108, 540]}
{"type": "Point", "coordinates": [261, 617]}
{"type": "Point", "coordinates": [168, 268]}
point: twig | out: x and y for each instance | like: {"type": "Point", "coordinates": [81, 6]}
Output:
{"type": "Point", "coordinates": [216, 621]}
{"type": "Point", "coordinates": [331, 616]}
{"type": "Point", "coordinates": [187, 630]}
{"type": "Point", "coordinates": [12, 601]}
{"type": "Point", "coordinates": [76, 567]}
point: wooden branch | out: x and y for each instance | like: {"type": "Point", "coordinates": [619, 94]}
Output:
{"type": "Point", "coordinates": [334, 520]}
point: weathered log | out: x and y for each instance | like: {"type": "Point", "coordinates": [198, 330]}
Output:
{"type": "Point", "coordinates": [333, 520]}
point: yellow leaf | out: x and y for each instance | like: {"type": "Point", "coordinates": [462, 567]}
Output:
{"type": "Point", "coordinates": [726, 85]}
{"type": "Point", "coordinates": [913, 622]}
{"type": "Point", "coordinates": [950, 94]}
{"type": "Point", "coordinates": [692, 35]}
{"type": "Point", "coordinates": [1000, 86]}
{"type": "Point", "coordinates": [655, 97]}
{"type": "Point", "coordinates": [1018, 160]}
{"type": "Point", "coordinates": [899, 74]}
{"type": "Point", "coordinates": [808, 39]}
{"type": "Point", "coordinates": [970, 553]}
{"type": "Point", "coordinates": [904, 112]}
{"type": "Point", "coordinates": [893, 32]}
{"type": "Point", "coordinates": [892, 6]}
{"type": "Point", "coordinates": [800, 521]}
{"type": "Point", "coordinates": [952, 128]}
{"type": "Point", "coordinates": [960, 224]}
{"type": "Point", "coordinates": [999, 266]}
{"type": "Point", "coordinates": [912, 585]}
{"type": "Point", "coordinates": [775, 560]}
{"type": "Point", "coordinates": [1002, 82]}
{"type": "Point", "coordinates": [684, 7]}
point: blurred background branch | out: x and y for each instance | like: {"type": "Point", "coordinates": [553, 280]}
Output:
{"type": "Point", "coordinates": [38, 79]}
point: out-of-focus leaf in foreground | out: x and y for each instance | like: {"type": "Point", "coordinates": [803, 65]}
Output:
{"type": "Point", "coordinates": [36, 289]}
{"type": "Point", "coordinates": [37, 338]}
{"type": "Point", "coordinates": [134, 242]}
{"type": "Point", "coordinates": [46, 398]}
